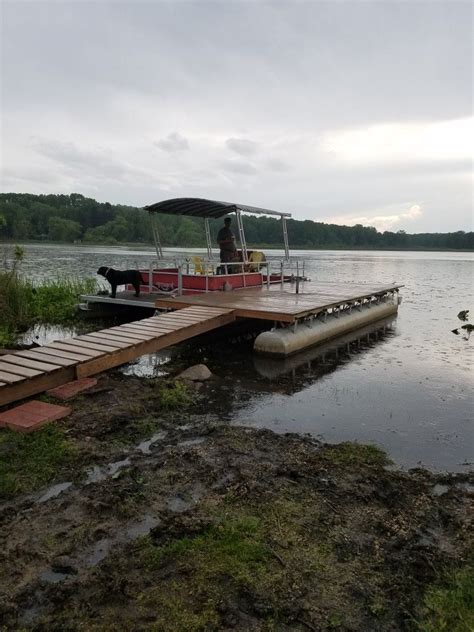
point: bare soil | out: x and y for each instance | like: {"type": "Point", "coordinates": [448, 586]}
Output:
{"type": "Point", "coordinates": [171, 520]}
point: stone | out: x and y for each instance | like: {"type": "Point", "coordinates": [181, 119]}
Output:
{"type": "Point", "coordinates": [71, 389]}
{"type": "Point", "coordinates": [32, 415]}
{"type": "Point", "coordinates": [196, 373]}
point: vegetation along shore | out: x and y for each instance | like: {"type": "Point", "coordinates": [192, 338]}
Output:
{"type": "Point", "coordinates": [73, 218]}
{"type": "Point", "coordinates": [24, 304]}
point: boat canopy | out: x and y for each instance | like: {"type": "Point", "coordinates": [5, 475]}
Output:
{"type": "Point", "coordinates": [211, 209]}
{"type": "Point", "coordinates": [199, 207]}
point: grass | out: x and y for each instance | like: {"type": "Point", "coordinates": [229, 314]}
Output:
{"type": "Point", "coordinates": [351, 453]}
{"type": "Point", "coordinates": [22, 304]}
{"type": "Point", "coordinates": [449, 606]}
{"type": "Point", "coordinates": [224, 558]}
{"type": "Point", "coordinates": [173, 396]}
{"type": "Point", "coordinates": [30, 461]}
{"type": "Point", "coordinates": [233, 562]}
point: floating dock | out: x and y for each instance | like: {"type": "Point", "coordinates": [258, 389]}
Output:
{"type": "Point", "coordinates": [299, 319]}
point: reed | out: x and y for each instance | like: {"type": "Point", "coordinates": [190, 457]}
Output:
{"type": "Point", "coordinates": [24, 304]}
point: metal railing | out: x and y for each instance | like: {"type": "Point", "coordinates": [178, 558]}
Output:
{"type": "Point", "coordinates": [272, 271]}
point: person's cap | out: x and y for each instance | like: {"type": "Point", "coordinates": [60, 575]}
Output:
{"type": "Point", "coordinates": [227, 220]}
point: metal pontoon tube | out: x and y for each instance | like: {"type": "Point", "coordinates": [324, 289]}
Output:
{"type": "Point", "coordinates": [288, 340]}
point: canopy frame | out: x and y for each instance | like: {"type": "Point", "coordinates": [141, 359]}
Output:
{"type": "Point", "coordinates": [212, 209]}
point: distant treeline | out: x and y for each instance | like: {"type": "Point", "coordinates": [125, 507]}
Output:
{"type": "Point", "coordinates": [75, 218]}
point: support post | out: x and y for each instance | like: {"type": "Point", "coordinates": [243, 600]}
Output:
{"type": "Point", "coordinates": [208, 238]}
{"type": "Point", "coordinates": [156, 236]}
{"type": "Point", "coordinates": [285, 238]}
{"type": "Point", "coordinates": [243, 243]}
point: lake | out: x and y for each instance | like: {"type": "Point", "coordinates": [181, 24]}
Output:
{"type": "Point", "coordinates": [408, 389]}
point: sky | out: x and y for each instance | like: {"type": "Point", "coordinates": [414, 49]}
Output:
{"type": "Point", "coordinates": [344, 112]}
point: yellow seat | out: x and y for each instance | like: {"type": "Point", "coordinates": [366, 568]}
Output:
{"type": "Point", "coordinates": [257, 258]}
{"type": "Point", "coordinates": [200, 267]}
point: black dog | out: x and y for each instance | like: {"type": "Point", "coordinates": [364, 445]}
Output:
{"type": "Point", "coordinates": [122, 277]}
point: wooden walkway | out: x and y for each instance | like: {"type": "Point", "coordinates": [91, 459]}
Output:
{"type": "Point", "coordinates": [279, 303]}
{"type": "Point", "coordinates": [26, 373]}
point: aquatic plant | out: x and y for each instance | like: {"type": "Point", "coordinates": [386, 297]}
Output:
{"type": "Point", "coordinates": [23, 303]}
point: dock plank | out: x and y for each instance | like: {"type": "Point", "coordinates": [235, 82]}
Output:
{"type": "Point", "coordinates": [17, 369]}
{"type": "Point", "coordinates": [28, 372]}
{"type": "Point", "coordinates": [67, 345]}
{"type": "Point", "coordinates": [54, 357]}
{"type": "Point", "coordinates": [10, 378]}
{"type": "Point", "coordinates": [44, 367]}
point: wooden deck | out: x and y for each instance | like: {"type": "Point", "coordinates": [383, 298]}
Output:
{"type": "Point", "coordinates": [279, 303]}
{"type": "Point", "coordinates": [26, 373]}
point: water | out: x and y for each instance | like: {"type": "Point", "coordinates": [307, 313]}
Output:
{"type": "Point", "coordinates": [409, 391]}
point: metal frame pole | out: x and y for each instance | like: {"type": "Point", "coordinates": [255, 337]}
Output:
{"type": "Point", "coordinates": [285, 238]}
{"type": "Point", "coordinates": [243, 243]}
{"type": "Point", "coordinates": [156, 237]}
{"type": "Point", "coordinates": [208, 238]}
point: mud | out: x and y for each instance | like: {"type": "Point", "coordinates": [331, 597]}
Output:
{"type": "Point", "coordinates": [173, 520]}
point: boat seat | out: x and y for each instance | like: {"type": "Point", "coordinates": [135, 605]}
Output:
{"type": "Point", "coordinates": [201, 267]}
{"type": "Point", "coordinates": [257, 258]}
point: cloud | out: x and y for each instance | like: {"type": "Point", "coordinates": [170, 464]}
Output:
{"type": "Point", "coordinates": [439, 141]}
{"type": "Point", "coordinates": [173, 142]}
{"type": "Point", "coordinates": [275, 164]}
{"type": "Point", "coordinates": [239, 166]}
{"type": "Point", "coordinates": [242, 146]}
{"type": "Point", "coordinates": [379, 221]}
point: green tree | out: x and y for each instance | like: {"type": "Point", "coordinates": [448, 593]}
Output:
{"type": "Point", "coordinates": [63, 229]}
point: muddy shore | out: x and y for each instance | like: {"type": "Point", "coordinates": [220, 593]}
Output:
{"type": "Point", "coordinates": [150, 513]}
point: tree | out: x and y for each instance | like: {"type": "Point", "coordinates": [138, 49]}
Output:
{"type": "Point", "coordinates": [63, 229]}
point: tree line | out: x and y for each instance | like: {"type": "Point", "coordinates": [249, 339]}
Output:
{"type": "Point", "coordinates": [75, 218]}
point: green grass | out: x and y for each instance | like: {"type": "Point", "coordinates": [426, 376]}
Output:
{"type": "Point", "coordinates": [350, 453]}
{"type": "Point", "coordinates": [224, 558]}
{"type": "Point", "coordinates": [30, 461]}
{"type": "Point", "coordinates": [173, 396]}
{"type": "Point", "coordinates": [23, 304]}
{"type": "Point", "coordinates": [449, 607]}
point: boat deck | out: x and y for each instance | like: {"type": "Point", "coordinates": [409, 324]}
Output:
{"type": "Point", "coordinates": [279, 303]}
{"type": "Point", "coordinates": [26, 373]}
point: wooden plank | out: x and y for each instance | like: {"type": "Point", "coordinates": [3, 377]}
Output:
{"type": "Point", "coordinates": [162, 325]}
{"type": "Point", "coordinates": [120, 336]}
{"type": "Point", "coordinates": [185, 320]}
{"type": "Point", "coordinates": [108, 340]}
{"type": "Point", "coordinates": [27, 388]}
{"type": "Point", "coordinates": [92, 345]}
{"type": "Point", "coordinates": [60, 354]}
{"type": "Point", "coordinates": [9, 378]}
{"type": "Point", "coordinates": [130, 333]}
{"type": "Point", "coordinates": [51, 358]}
{"type": "Point", "coordinates": [67, 345]}
{"type": "Point", "coordinates": [147, 330]}
{"type": "Point", "coordinates": [45, 367]}
{"type": "Point", "coordinates": [16, 369]}
{"type": "Point", "coordinates": [150, 346]}
{"type": "Point", "coordinates": [136, 329]}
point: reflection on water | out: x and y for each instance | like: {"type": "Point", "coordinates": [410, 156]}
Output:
{"type": "Point", "coordinates": [410, 391]}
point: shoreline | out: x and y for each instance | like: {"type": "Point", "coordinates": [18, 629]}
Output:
{"type": "Point", "coordinates": [174, 520]}
{"type": "Point", "coordinates": [250, 246]}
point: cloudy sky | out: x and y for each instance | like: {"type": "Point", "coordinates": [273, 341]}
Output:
{"type": "Point", "coordinates": [349, 112]}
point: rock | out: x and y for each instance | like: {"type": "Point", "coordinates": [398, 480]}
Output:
{"type": "Point", "coordinates": [196, 373]}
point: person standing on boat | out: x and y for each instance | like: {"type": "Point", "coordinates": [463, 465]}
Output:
{"type": "Point", "coordinates": [226, 241]}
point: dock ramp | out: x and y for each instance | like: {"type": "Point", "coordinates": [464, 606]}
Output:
{"type": "Point", "coordinates": [26, 373]}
